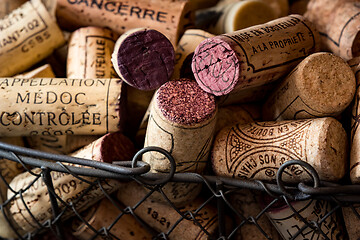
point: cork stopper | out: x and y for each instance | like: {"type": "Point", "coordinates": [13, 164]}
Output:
{"type": "Point", "coordinates": [108, 148]}
{"type": "Point", "coordinates": [253, 56]}
{"type": "Point", "coordinates": [89, 53]}
{"type": "Point", "coordinates": [234, 16]}
{"type": "Point", "coordinates": [337, 21]}
{"type": "Point", "coordinates": [256, 150]}
{"type": "Point", "coordinates": [321, 85]}
{"type": "Point", "coordinates": [144, 58]}
{"type": "Point", "coordinates": [183, 102]}
{"type": "Point", "coordinates": [326, 76]}
{"type": "Point", "coordinates": [105, 214]}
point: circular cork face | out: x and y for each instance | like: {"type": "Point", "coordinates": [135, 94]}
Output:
{"type": "Point", "coordinates": [326, 82]}
{"type": "Point", "coordinates": [184, 102]}
{"type": "Point", "coordinates": [250, 13]}
{"type": "Point", "coordinates": [145, 59]}
{"type": "Point", "coordinates": [332, 150]}
{"type": "Point", "coordinates": [116, 147]}
{"type": "Point", "coordinates": [215, 66]}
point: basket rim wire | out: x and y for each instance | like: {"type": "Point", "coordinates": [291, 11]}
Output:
{"type": "Point", "coordinates": [95, 173]}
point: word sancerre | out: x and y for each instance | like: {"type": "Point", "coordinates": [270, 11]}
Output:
{"type": "Point", "coordinates": [119, 8]}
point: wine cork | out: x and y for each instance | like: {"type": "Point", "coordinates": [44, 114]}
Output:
{"type": "Point", "coordinates": [289, 224]}
{"type": "Point", "coordinates": [354, 132]}
{"type": "Point", "coordinates": [257, 150]}
{"type": "Point", "coordinates": [110, 147]}
{"type": "Point", "coordinates": [8, 6]}
{"type": "Point", "coordinates": [352, 221]}
{"type": "Point", "coordinates": [8, 170]}
{"type": "Point", "coordinates": [59, 106]}
{"type": "Point", "coordinates": [321, 85]}
{"type": "Point", "coordinates": [185, 50]}
{"type": "Point", "coordinates": [231, 115]}
{"type": "Point", "coordinates": [231, 17]}
{"type": "Point", "coordinates": [280, 7]}
{"type": "Point", "coordinates": [253, 56]}
{"type": "Point", "coordinates": [60, 144]}
{"type": "Point", "coordinates": [337, 22]}
{"type": "Point", "coordinates": [162, 217]}
{"type": "Point", "coordinates": [166, 16]}
{"type": "Point", "coordinates": [182, 121]}
{"type": "Point", "coordinates": [47, 143]}
{"type": "Point", "coordinates": [105, 214]}
{"type": "Point", "coordinates": [144, 58]}
{"type": "Point", "coordinates": [89, 54]}
{"type": "Point", "coordinates": [29, 34]}
{"type": "Point", "coordinates": [245, 203]}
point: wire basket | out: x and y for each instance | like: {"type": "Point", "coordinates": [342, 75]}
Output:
{"type": "Point", "coordinates": [226, 209]}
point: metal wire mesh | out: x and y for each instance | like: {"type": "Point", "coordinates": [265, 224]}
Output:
{"type": "Point", "coordinates": [225, 210]}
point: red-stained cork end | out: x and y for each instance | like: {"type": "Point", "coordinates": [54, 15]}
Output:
{"type": "Point", "coordinates": [184, 102]}
{"type": "Point", "coordinates": [116, 147]}
{"type": "Point", "coordinates": [145, 59]}
{"type": "Point", "coordinates": [215, 66]}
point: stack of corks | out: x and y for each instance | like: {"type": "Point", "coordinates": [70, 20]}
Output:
{"type": "Point", "coordinates": [229, 88]}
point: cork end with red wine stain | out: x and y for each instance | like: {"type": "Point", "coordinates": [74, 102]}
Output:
{"type": "Point", "coordinates": [184, 102]}
{"type": "Point", "coordinates": [116, 147]}
{"type": "Point", "coordinates": [145, 59]}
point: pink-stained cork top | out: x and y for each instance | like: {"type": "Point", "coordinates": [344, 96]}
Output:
{"type": "Point", "coordinates": [215, 66]}
{"type": "Point", "coordinates": [184, 102]}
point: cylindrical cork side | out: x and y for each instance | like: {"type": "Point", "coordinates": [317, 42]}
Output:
{"type": "Point", "coordinates": [39, 37]}
{"type": "Point", "coordinates": [182, 102]}
{"type": "Point", "coordinates": [321, 85]}
{"type": "Point", "coordinates": [131, 193]}
{"type": "Point", "coordinates": [257, 150]}
{"type": "Point", "coordinates": [355, 113]}
{"type": "Point", "coordinates": [337, 21]}
{"type": "Point", "coordinates": [288, 224]}
{"type": "Point", "coordinates": [327, 148]}
{"type": "Point", "coordinates": [253, 56]}
{"type": "Point", "coordinates": [89, 53]}
{"type": "Point", "coordinates": [66, 186]}
{"type": "Point", "coordinates": [105, 214]}
{"type": "Point", "coordinates": [144, 58]}
{"type": "Point", "coordinates": [171, 17]}
{"type": "Point", "coordinates": [352, 221]}
{"type": "Point", "coordinates": [328, 84]}
{"type": "Point", "coordinates": [230, 115]}
{"type": "Point", "coordinates": [182, 121]}
{"type": "Point", "coordinates": [245, 203]}
{"type": "Point", "coordinates": [216, 66]}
